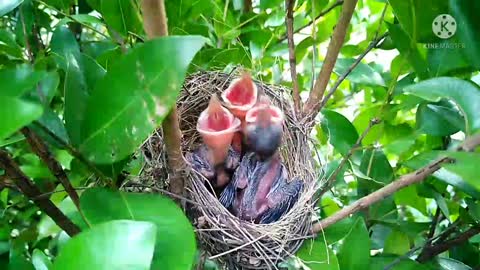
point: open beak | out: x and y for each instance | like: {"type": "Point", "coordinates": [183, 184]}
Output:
{"type": "Point", "coordinates": [217, 126]}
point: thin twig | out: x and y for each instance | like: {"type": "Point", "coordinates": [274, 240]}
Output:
{"type": "Point", "coordinates": [331, 58]}
{"type": "Point", "coordinates": [323, 13]}
{"type": "Point", "coordinates": [42, 151]}
{"type": "Point", "coordinates": [31, 191]}
{"type": "Point", "coordinates": [404, 181]}
{"type": "Point", "coordinates": [75, 153]}
{"type": "Point", "coordinates": [297, 102]}
{"type": "Point", "coordinates": [373, 44]}
{"type": "Point", "coordinates": [331, 179]}
{"type": "Point", "coordinates": [349, 70]}
{"type": "Point", "coordinates": [155, 24]}
{"type": "Point", "coordinates": [431, 251]}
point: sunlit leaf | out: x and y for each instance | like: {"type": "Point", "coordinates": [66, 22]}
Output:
{"type": "Point", "coordinates": [8, 5]}
{"type": "Point", "coordinates": [466, 96]}
{"type": "Point", "coordinates": [354, 253]}
{"type": "Point", "coordinates": [341, 133]}
{"type": "Point", "coordinates": [175, 240]}
{"type": "Point", "coordinates": [362, 74]}
{"type": "Point", "coordinates": [40, 261]}
{"type": "Point", "coordinates": [120, 244]}
{"type": "Point", "coordinates": [317, 256]}
{"type": "Point", "coordinates": [20, 113]}
{"type": "Point", "coordinates": [135, 96]}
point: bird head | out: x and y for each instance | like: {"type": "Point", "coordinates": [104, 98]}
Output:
{"type": "Point", "coordinates": [216, 126]}
{"type": "Point", "coordinates": [241, 95]}
{"type": "Point", "coordinates": [264, 129]}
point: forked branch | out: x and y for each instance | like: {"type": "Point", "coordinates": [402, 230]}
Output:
{"type": "Point", "coordinates": [297, 102]}
{"type": "Point", "coordinates": [333, 50]}
{"type": "Point", "coordinates": [32, 192]}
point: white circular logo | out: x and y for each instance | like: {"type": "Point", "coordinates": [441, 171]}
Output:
{"type": "Point", "coordinates": [444, 26]}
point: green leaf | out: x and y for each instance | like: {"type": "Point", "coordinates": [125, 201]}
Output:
{"type": "Point", "coordinates": [134, 97]}
{"type": "Point", "coordinates": [8, 5]}
{"type": "Point", "coordinates": [15, 82]}
{"type": "Point", "coordinates": [170, 221]}
{"type": "Point", "coordinates": [397, 243]}
{"type": "Point", "coordinates": [466, 96]}
{"type": "Point", "coordinates": [339, 230]}
{"type": "Point", "coordinates": [122, 15]}
{"type": "Point", "coordinates": [81, 74]}
{"type": "Point", "coordinates": [317, 255]}
{"type": "Point", "coordinates": [362, 74]}
{"type": "Point", "coordinates": [119, 244]}
{"type": "Point", "coordinates": [380, 262]}
{"type": "Point", "coordinates": [375, 165]}
{"type": "Point", "coordinates": [466, 17]}
{"type": "Point", "coordinates": [408, 49]}
{"type": "Point", "coordinates": [439, 119]}
{"type": "Point", "coordinates": [20, 113]}
{"type": "Point", "coordinates": [417, 20]}
{"type": "Point", "coordinates": [466, 166]}
{"type": "Point", "coordinates": [451, 264]}
{"type": "Point", "coordinates": [354, 253]}
{"type": "Point", "coordinates": [40, 261]}
{"type": "Point", "coordinates": [341, 133]}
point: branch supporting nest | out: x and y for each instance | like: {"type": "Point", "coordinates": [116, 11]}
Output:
{"type": "Point", "coordinates": [297, 102]}
{"type": "Point", "coordinates": [155, 24]}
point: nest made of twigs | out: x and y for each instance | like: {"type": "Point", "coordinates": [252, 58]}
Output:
{"type": "Point", "coordinates": [237, 243]}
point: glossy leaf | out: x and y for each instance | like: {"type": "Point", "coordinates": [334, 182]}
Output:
{"type": "Point", "coordinates": [20, 113]}
{"type": "Point", "coordinates": [122, 15]}
{"type": "Point", "coordinates": [16, 82]}
{"type": "Point", "coordinates": [8, 5]}
{"type": "Point", "coordinates": [380, 262]}
{"type": "Point", "coordinates": [317, 256]}
{"type": "Point", "coordinates": [397, 243]}
{"type": "Point", "coordinates": [175, 240]}
{"type": "Point", "coordinates": [135, 96]}
{"type": "Point", "coordinates": [40, 261]}
{"type": "Point", "coordinates": [466, 96]}
{"type": "Point", "coordinates": [466, 18]}
{"type": "Point", "coordinates": [375, 165]}
{"type": "Point", "coordinates": [438, 119]}
{"type": "Point", "coordinates": [122, 243]}
{"type": "Point", "coordinates": [341, 133]}
{"type": "Point", "coordinates": [450, 264]}
{"type": "Point", "coordinates": [355, 250]}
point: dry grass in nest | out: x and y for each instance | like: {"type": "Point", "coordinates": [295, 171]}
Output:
{"type": "Point", "coordinates": [239, 244]}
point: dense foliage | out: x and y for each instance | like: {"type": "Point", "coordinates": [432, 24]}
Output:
{"type": "Point", "coordinates": [83, 78]}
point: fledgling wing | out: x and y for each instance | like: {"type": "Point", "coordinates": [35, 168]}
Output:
{"type": "Point", "coordinates": [239, 180]}
{"type": "Point", "coordinates": [281, 198]}
{"type": "Point", "coordinates": [233, 159]}
{"type": "Point", "coordinates": [200, 162]}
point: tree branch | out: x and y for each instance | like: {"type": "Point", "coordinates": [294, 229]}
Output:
{"type": "Point", "coordinates": [323, 13]}
{"type": "Point", "coordinates": [380, 194]}
{"type": "Point", "coordinates": [155, 24]}
{"type": "Point", "coordinates": [430, 251]}
{"type": "Point", "coordinates": [32, 192]}
{"type": "Point", "coordinates": [376, 40]}
{"type": "Point", "coordinates": [332, 54]}
{"type": "Point", "coordinates": [75, 153]}
{"type": "Point", "coordinates": [330, 93]}
{"type": "Point", "coordinates": [404, 181]}
{"type": "Point", "coordinates": [41, 150]}
{"type": "Point", "coordinates": [297, 102]}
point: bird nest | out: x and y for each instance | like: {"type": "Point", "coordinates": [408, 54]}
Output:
{"type": "Point", "coordinates": [236, 243]}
